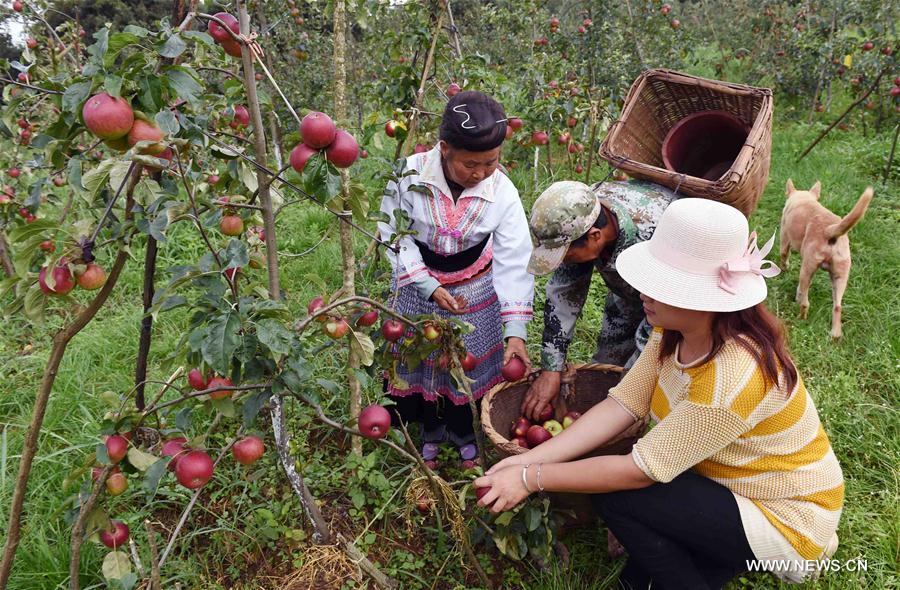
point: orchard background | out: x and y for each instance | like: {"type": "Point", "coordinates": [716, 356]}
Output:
{"type": "Point", "coordinates": [171, 292]}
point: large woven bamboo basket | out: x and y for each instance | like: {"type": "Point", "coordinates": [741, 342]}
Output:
{"type": "Point", "coordinates": [502, 405]}
{"type": "Point", "coordinates": [658, 100]}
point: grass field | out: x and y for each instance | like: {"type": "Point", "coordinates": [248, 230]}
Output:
{"type": "Point", "coordinates": [249, 532]}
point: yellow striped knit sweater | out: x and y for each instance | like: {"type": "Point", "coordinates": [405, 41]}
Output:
{"type": "Point", "coordinates": [719, 418]}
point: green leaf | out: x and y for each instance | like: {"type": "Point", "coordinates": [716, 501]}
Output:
{"type": "Point", "coordinates": [183, 419]}
{"type": "Point", "coordinates": [505, 518]}
{"type": "Point", "coordinates": [225, 405]}
{"type": "Point", "coordinates": [141, 460]}
{"type": "Point", "coordinates": [112, 84]}
{"type": "Point", "coordinates": [153, 475]}
{"type": "Point", "coordinates": [168, 122]}
{"type": "Point", "coordinates": [274, 336]}
{"type": "Point", "coordinates": [253, 404]}
{"type": "Point", "coordinates": [364, 347]}
{"type": "Point", "coordinates": [116, 565]}
{"type": "Point", "coordinates": [75, 95]}
{"type": "Point", "coordinates": [34, 304]}
{"type": "Point", "coordinates": [221, 342]}
{"type": "Point", "coordinates": [236, 254]}
{"type": "Point", "coordinates": [329, 385]}
{"type": "Point", "coordinates": [532, 518]}
{"type": "Point", "coordinates": [183, 82]}
{"type": "Point", "coordinates": [173, 47]}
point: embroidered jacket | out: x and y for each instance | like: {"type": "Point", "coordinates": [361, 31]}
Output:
{"type": "Point", "coordinates": [492, 209]}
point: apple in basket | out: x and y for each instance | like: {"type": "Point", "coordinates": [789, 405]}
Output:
{"type": "Point", "coordinates": [537, 435]}
{"type": "Point", "coordinates": [553, 427]}
{"type": "Point", "coordinates": [520, 440]}
{"type": "Point", "coordinates": [570, 418]}
{"type": "Point", "coordinates": [520, 427]}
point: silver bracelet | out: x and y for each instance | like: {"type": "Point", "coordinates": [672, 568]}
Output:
{"type": "Point", "coordinates": [540, 485]}
{"type": "Point", "coordinates": [525, 478]}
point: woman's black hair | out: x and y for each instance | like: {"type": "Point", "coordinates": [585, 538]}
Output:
{"type": "Point", "coordinates": [473, 121]}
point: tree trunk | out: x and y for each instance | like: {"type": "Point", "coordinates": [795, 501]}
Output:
{"type": "Point", "coordinates": [348, 287]}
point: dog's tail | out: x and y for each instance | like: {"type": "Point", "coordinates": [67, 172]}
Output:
{"type": "Point", "coordinates": [852, 218]}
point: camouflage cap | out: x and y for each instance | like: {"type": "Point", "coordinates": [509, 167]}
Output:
{"type": "Point", "coordinates": [562, 214]}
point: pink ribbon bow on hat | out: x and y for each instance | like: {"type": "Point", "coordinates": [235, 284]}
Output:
{"type": "Point", "coordinates": [752, 261]}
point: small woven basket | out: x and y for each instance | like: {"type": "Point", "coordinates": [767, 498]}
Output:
{"type": "Point", "coordinates": [658, 100]}
{"type": "Point", "coordinates": [588, 386]}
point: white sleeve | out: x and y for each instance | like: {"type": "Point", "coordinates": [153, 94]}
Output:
{"type": "Point", "coordinates": [407, 263]}
{"type": "Point", "coordinates": [512, 250]}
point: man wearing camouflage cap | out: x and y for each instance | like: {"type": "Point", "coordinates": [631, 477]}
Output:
{"type": "Point", "coordinates": [578, 230]}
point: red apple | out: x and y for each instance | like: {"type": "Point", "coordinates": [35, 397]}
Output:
{"type": "Point", "coordinates": [107, 117]}
{"type": "Point", "coordinates": [515, 122]}
{"type": "Point", "coordinates": [579, 169]}
{"type": "Point", "coordinates": [570, 418]}
{"type": "Point", "coordinates": [582, 30]}
{"type": "Point", "coordinates": [675, 23]}
{"type": "Point", "coordinates": [231, 273]}
{"type": "Point", "coordinates": [46, 245]}
{"type": "Point", "coordinates": [363, 154]}
{"type": "Point", "coordinates": [537, 435]}
{"type": "Point", "coordinates": [196, 380]}
{"type": "Point", "coordinates": [895, 91]}
{"type": "Point", "coordinates": [514, 369]}
{"type": "Point", "coordinates": [116, 484]}
{"type": "Point", "coordinates": [509, 132]}
{"type": "Point", "coordinates": [116, 447]}
{"type": "Point", "coordinates": [300, 155]}
{"type": "Point", "coordinates": [194, 469]}
{"type": "Point", "coordinates": [665, 8]}
{"type": "Point", "coordinates": [92, 278]}
{"type": "Point", "coordinates": [213, 179]}
{"type": "Point", "coordinates": [241, 116]}
{"type": "Point", "coordinates": [367, 319]}
{"type": "Point", "coordinates": [540, 138]}
{"type": "Point", "coordinates": [62, 278]}
{"type": "Point", "coordinates": [14, 172]}
{"type": "Point", "coordinates": [374, 422]}
{"type": "Point", "coordinates": [146, 131]}
{"type": "Point", "coordinates": [336, 328]}
{"type": "Point", "coordinates": [232, 48]}
{"type": "Point", "coordinates": [481, 492]}
{"type": "Point", "coordinates": [248, 450]}
{"type": "Point", "coordinates": [868, 46]}
{"type": "Point", "coordinates": [390, 128]}
{"type": "Point", "coordinates": [469, 362]}
{"type": "Point", "coordinates": [520, 440]}
{"type": "Point", "coordinates": [58, 181]}
{"type": "Point", "coordinates": [392, 330]}
{"type": "Point", "coordinates": [432, 332]}
{"type": "Point", "coordinates": [31, 43]}
{"type": "Point", "coordinates": [343, 151]}
{"type": "Point", "coordinates": [554, 22]}
{"type": "Point", "coordinates": [219, 33]}
{"type": "Point", "coordinates": [587, 22]}
{"type": "Point", "coordinates": [231, 225]}
{"type": "Point", "coordinates": [315, 305]}
{"type": "Point", "coordinates": [219, 382]}
{"type": "Point", "coordinates": [117, 537]}
{"type": "Point", "coordinates": [453, 90]}
{"type": "Point", "coordinates": [17, 6]}
{"type": "Point", "coordinates": [563, 138]}
{"type": "Point", "coordinates": [546, 414]}
{"type": "Point", "coordinates": [317, 130]}
{"type": "Point", "coordinates": [174, 447]}
{"type": "Point", "coordinates": [520, 427]}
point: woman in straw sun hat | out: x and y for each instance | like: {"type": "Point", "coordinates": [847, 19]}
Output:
{"type": "Point", "coordinates": [738, 466]}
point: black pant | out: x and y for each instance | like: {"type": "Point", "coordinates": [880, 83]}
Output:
{"type": "Point", "coordinates": [683, 534]}
{"type": "Point", "coordinates": [440, 420]}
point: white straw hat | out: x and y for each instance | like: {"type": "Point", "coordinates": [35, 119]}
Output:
{"type": "Point", "coordinates": [702, 257]}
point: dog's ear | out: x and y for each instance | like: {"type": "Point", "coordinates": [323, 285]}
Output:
{"type": "Point", "coordinates": [816, 189]}
{"type": "Point", "coordinates": [790, 187]}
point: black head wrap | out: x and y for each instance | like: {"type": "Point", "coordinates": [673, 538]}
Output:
{"type": "Point", "coordinates": [473, 121]}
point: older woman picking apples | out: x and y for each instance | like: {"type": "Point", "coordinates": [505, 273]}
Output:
{"type": "Point", "coordinates": [468, 259]}
{"type": "Point", "coordinates": [738, 466]}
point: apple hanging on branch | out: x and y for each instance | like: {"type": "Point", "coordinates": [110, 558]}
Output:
{"type": "Point", "coordinates": [117, 537]}
{"type": "Point", "coordinates": [374, 422]}
{"type": "Point", "coordinates": [194, 469]}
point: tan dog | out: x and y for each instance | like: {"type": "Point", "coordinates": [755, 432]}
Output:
{"type": "Point", "coordinates": [821, 238]}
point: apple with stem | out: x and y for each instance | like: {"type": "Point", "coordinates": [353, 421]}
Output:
{"type": "Point", "coordinates": [392, 330]}
{"type": "Point", "coordinates": [368, 319]}
{"type": "Point", "coordinates": [117, 537]}
{"type": "Point", "coordinates": [248, 450]}
{"type": "Point", "coordinates": [317, 130]}
{"type": "Point", "coordinates": [537, 435]}
{"type": "Point", "coordinates": [62, 276]}
{"type": "Point", "coordinates": [116, 484]}
{"type": "Point", "coordinates": [553, 427]}
{"type": "Point", "coordinates": [174, 447]}
{"type": "Point", "coordinates": [231, 225]}
{"type": "Point", "coordinates": [219, 382]}
{"type": "Point", "coordinates": [116, 447]}
{"type": "Point", "coordinates": [336, 327]}
{"type": "Point", "coordinates": [218, 32]}
{"type": "Point", "coordinates": [520, 427]}
{"type": "Point", "coordinates": [374, 422]}
{"type": "Point", "coordinates": [92, 278]}
{"type": "Point", "coordinates": [194, 469]}
{"type": "Point", "coordinates": [431, 332]}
